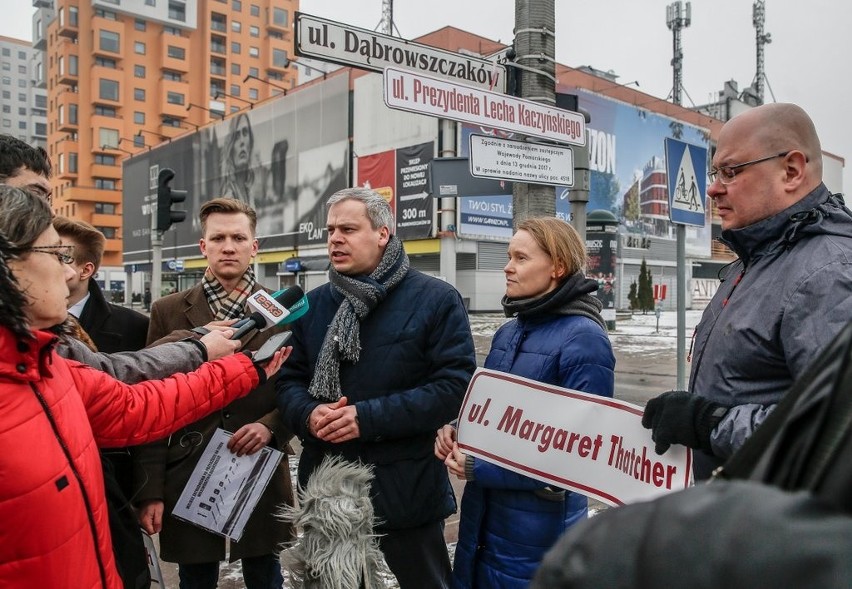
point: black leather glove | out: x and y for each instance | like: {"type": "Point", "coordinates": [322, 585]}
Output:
{"type": "Point", "coordinates": [680, 417]}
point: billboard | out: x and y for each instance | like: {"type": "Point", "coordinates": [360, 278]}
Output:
{"type": "Point", "coordinates": [284, 157]}
{"type": "Point", "coordinates": [628, 176]}
{"type": "Point", "coordinates": [400, 175]}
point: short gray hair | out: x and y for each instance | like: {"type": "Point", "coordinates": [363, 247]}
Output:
{"type": "Point", "coordinates": [378, 209]}
{"type": "Point", "coordinates": [23, 216]}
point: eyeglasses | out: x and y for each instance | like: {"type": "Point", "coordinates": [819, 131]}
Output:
{"type": "Point", "coordinates": [728, 174]}
{"type": "Point", "coordinates": [64, 253]}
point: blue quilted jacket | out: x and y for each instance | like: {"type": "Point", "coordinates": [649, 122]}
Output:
{"type": "Point", "coordinates": [508, 521]}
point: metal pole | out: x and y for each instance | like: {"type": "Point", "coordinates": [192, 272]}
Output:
{"type": "Point", "coordinates": [447, 211]}
{"type": "Point", "coordinates": [156, 258]}
{"type": "Point", "coordinates": [579, 196]}
{"type": "Point", "coordinates": [535, 46]}
{"type": "Point", "coordinates": [676, 20]}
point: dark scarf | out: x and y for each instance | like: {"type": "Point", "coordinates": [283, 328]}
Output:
{"type": "Point", "coordinates": [361, 294]}
{"type": "Point", "coordinates": [569, 298]}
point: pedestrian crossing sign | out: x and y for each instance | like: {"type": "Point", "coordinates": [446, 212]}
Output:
{"type": "Point", "coordinates": [686, 171]}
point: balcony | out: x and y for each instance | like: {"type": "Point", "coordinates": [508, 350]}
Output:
{"type": "Point", "coordinates": [92, 194]}
{"type": "Point", "coordinates": [170, 108]}
{"type": "Point", "coordinates": [176, 53]}
{"type": "Point", "coordinates": [105, 171]}
{"type": "Point", "coordinates": [68, 28]}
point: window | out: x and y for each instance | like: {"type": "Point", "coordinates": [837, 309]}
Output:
{"type": "Point", "coordinates": [176, 52]}
{"type": "Point", "coordinates": [22, 54]}
{"type": "Point", "coordinates": [172, 76]}
{"type": "Point", "coordinates": [105, 208]}
{"type": "Point", "coordinates": [174, 98]}
{"type": "Point", "coordinates": [138, 140]}
{"type": "Point", "coordinates": [139, 47]}
{"type": "Point", "coordinates": [139, 71]}
{"type": "Point", "coordinates": [22, 69]}
{"type": "Point", "coordinates": [22, 83]}
{"type": "Point", "coordinates": [104, 159]}
{"type": "Point", "coordinates": [253, 72]}
{"type": "Point", "coordinates": [105, 183]}
{"type": "Point", "coordinates": [73, 16]}
{"type": "Point", "coordinates": [139, 118]}
{"type": "Point", "coordinates": [22, 97]}
{"type": "Point", "coordinates": [7, 81]}
{"type": "Point", "coordinates": [108, 137]}
{"type": "Point", "coordinates": [236, 26]}
{"type": "Point", "coordinates": [173, 31]}
{"type": "Point", "coordinates": [139, 24]}
{"type": "Point", "coordinates": [235, 48]}
{"type": "Point", "coordinates": [217, 44]}
{"type": "Point", "coordinates": [236, 5]}
{"type": "Point", "coordinates": [73, 65]}
{"type": "Point", "coordinates": [103, 62]}
{"type": "Point", "coordinates": [41, 129]}
{"type": "Point", "coordinates": [235, 90]}
{"type": "Point", "coordinates": [235, 69]}
{"type": "Point", "coordinates": [72, 114]}
{"type": "Point", "coordinates": [255, 10]}
{"type": "Point", "coordinates": [22, 125]}
{"type": "Point", "coordinates": [254, 31]}
{"type": "Point", "coordinates": [139, 94]}
{"type": "Point", "coordinates": [279, 17]}
{"type": "Point", "coordinates": [279, 58]}
{"type": "Point", "coordinates": [40, 101]}
{"type": "Point", "coordinates": [7, 52]}
{"type": "Point", "coordinates": [7, 67]}
{"type": "Point", "coordinates": [108, 89]}
{"type": "Point", "coordinates": [109, 232]}
{"type": "Point", "coordinates": [7, 95]}
{"type": "Point", "coordinates": [7, 123]}
{"type": "Point", "coordinates": [170, 122]}
{"type": "Point", "coordinates": [217, 66]}
{"type": "Point", "coordinates": [150, 2]}
{"type": "Point", "coordinates": [218, 22]}
{"type": "Point", "coordinates": [8, 109]}
{"type": "Point", "coordinates": [22, 110]}
{"type": "Point", "coordinates": [104, 111]}
{"type": "Point", "coordinates": [107, 14]}
{"type": "Point", "coordinates": [254, 52]}
{"type": "Point", "coordinates": [253, 93]}
{"type": "Point", "coordinates": [177, 11]}
{"type": "Point", "coordinates": [109, 41]}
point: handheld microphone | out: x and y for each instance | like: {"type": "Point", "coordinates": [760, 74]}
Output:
{"type": "Point", "coordinates": [272, 309]}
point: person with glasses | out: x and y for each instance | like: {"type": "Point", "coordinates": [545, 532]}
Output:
{"type": "Point", "coordinates": [56, 413]}
{"type": "Point", "coordinates": [787, 295]}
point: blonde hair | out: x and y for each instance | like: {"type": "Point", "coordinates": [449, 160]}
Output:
{"type": "Point", "coordinates": [559, 240]}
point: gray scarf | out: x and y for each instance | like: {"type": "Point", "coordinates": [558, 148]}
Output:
{"type": "Point", "coordinates": [361, 294]}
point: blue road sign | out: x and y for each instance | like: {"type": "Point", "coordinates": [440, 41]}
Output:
{"type": "Point", "coordinates": [686, 170]}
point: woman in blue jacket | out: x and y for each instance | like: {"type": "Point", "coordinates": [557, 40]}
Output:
{"type": "Point", "coordinates": [508, 521]}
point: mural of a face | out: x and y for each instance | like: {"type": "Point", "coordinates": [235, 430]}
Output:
{"type": "Point", "coordinates": [242, 144]}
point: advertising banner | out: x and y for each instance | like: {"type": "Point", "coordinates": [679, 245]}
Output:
{"type": "Point", "coordinates": [628, 175]}
{"type": "Point", "coordinates": [401, 175]}
{"type": "Point", "coordinates": [284, 157]}
{"type": "Point", "coordinates": [584, 443]}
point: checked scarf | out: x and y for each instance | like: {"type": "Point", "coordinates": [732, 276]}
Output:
{"type": "Point", "coordinates": [361, 295]}
{"type": "Point", "coordinates": [227, 305]}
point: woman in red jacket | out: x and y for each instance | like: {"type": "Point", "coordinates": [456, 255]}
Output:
{"type": "Point", "coordinates": [54, 413]}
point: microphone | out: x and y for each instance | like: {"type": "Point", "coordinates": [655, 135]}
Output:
{"type": "Point", "coordinates": [272, 309]}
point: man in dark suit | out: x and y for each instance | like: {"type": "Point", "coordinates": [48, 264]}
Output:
{"type": "Point", "coordinates": [113, 328]}
{"type": "Point", "coordinates": [228, 242]}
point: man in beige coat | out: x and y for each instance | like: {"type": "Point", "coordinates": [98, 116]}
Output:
{"type": "Point", "coordinates": [162, 470]}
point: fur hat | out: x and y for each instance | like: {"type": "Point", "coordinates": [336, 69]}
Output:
{"type": "Point", "coordinates": [337, 548]}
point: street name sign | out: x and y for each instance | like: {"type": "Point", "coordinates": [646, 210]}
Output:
{"type": "Point", "coordinates": [686, 171]}
{"type": "Point", "coordinates": [426, 95]}
{"type": "Point", "coordinates": [339, 43]}
{"type": "Point", "coordinates": [520, 161]}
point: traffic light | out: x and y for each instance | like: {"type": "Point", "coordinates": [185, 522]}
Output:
{"type": "Point", "coordinates": [166, 198]}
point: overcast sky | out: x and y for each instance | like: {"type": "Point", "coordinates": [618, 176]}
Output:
{"type": "Point", "coordinates": [808, 61]}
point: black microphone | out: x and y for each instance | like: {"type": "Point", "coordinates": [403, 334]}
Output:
{"type": "Point", "coordinates": [272, 309]}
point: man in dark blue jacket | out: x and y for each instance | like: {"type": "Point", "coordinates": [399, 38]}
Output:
{"type": "Point", "coordinates": [381, 361]}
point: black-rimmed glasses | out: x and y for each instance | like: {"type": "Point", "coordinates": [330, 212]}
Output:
{"type": "Point", "coordinates": [64, 253]}
{"type": "Point", "coordinates": [727, 174]}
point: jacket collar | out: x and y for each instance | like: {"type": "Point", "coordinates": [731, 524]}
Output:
{"type": "Point", "coordinates": [782, 228]}
{"type": "Point", "coordinates": [21, 360]}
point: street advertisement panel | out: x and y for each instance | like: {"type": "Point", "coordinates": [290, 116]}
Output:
{"type": "Point", "coordinates": [284, 157]}
{"type": "Point", "coordinates": [628, 175]}
{"type": "Point", "coordinates": [400, 175]}
{"type": "Point", "coordinates": [602, 248]}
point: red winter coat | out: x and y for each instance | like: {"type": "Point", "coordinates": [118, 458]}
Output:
{"type": "Point", "coordinates": [54, 413]}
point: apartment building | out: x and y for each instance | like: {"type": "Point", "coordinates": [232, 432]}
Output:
{"type": "Point", "coordinates": [124, 75]}
{"type": "Point", "coordinates": [24, 105]}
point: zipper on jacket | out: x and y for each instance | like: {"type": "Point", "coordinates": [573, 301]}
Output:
{"type": "Point", "coordinates": [86, 500]}
{"type": "Point", "coordinates": [737, 281]}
